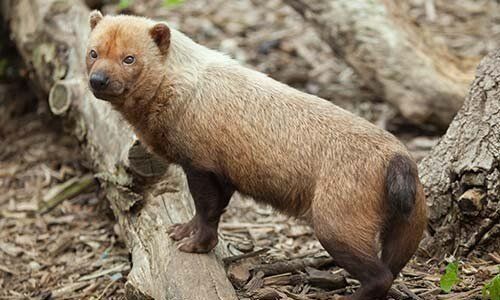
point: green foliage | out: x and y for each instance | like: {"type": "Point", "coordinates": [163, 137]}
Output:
{"type": "Point", "coordinates": [172, 2]}
{"type": "Point", "coordinates": [492, 289]}
{"type": "Point", "coordinates": [450, 277]}
{"type": "Point", "coordinates": [124, 4]}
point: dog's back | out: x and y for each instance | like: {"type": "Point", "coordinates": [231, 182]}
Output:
{"type": "Point", "coordinates": [232, 128]}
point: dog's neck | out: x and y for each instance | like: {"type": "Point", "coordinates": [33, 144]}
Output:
{"type": "Point", "coordinates": [187, 62]}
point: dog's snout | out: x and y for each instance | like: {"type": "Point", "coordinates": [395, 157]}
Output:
{"type": "Point", "coordinates": [99, 81]}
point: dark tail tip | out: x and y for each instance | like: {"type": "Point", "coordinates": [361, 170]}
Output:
{"type": "Point", "coordinates": [401, 185]}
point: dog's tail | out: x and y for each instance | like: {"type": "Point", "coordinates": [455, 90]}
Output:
{"type": "Point", "coordinates": [401, 186]}
{"type": "Point", "coordinates": [406, 218]}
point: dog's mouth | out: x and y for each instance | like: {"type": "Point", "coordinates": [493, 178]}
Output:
{"type": "Point", "coordinates": [114, 91]}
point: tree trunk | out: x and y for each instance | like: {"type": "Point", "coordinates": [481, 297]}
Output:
{"type": "Point", "coordinates": [462, 173]}
{"type": "Point", "coordinates": [51, 37]}
{"type": "Point", "coordinates": [425, 83]}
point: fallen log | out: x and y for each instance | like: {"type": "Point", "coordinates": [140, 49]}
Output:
{"type": "Point", "coordinates": [51, 36]}
{"type": "Point", "coordinates": [423, 81]}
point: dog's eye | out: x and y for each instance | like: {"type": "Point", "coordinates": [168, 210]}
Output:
{"type": "Point", "coordinates": [129, 60]}
{"type": "Point", "coordinates": [93, 54]}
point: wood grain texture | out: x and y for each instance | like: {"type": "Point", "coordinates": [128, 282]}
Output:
{"type": "Point", "coordinates": [462, 174]}
{"type": "Point", "coordinates": [424, 82]}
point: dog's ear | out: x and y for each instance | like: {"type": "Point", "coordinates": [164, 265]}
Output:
{"type": "Point", "coordinates": [160, 33]}
{"type": "Point", "coordinates": [94, 18]}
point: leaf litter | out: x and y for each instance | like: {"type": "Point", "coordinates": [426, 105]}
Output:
{"type": "Point", "coordinates": [65, 250]}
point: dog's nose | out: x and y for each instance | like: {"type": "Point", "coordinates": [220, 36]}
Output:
{"type": "Point", "coordinates": [99, 81]}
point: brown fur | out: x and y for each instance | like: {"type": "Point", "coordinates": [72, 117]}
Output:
{"type": "Point", "coordinates": [234, 129]}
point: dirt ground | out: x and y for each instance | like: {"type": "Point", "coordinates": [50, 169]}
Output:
{"type": "Point", "coordinates": [72, 250]}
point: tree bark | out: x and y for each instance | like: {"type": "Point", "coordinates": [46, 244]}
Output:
{"type": "Point", "coordinates": [51, 37]}
{"type": "Point", "coordinates": [462, 173]}
{"type": "Point", "coordinates": [424, 82]}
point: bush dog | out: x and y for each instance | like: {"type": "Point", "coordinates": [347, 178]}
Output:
{"type": "Point", "coordinates": [235, 129]}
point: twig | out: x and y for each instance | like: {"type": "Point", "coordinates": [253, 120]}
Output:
{"type": "Point", "coordinates": [396, 294]}
{"type": "Point", "coordinates": [232, 259]}
{"type": "Point", "coordinates": [67, 190]}
{"type": "Point", "coordinates": [327, 295]}
{"type": "Point", "coordinates": [408, 292]}
{"type": "Point", "coordinates": [117, 268]}
{"type": "Point", "coordinates": [106, 289]}
{"type": "Point", "coordinates": [295, 296]}
{"type": "Point", "coordinates": [494, 256]}
{"type": "Point", "coordinates": [292, 265]}
{"type": "Point", "coordinates": [7, 270]}
{"type": "Point", "coordinates": [460, 296]}
{"type": "Point", "coordinates": [72, 287]}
